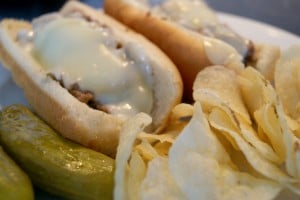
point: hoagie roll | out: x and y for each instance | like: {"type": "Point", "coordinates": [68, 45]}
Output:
{"type": "Point", "coordinates": [85, 73]}
{"type": "Point", "coordinates": [191, 34]}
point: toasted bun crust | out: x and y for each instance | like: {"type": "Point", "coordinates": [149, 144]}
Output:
{"type": "Point", "coordinates": [70, 117]}
{"type": "Point", "coordinates": [184, 47]}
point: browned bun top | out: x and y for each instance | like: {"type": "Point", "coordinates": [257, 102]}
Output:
{"type": "Point", "coordinates": [184, 48]}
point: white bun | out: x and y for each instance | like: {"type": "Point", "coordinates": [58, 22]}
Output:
{"type": "Point", "coordinates": [71, 118]}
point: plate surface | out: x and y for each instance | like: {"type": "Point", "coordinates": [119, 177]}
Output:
{"type": "Point", "coordinates": [256, 31]}
{"type": "Point", "coordinates": [260, 32]}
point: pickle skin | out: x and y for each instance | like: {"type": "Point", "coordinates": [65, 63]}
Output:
{"type": "Point", "coordinates": [53, 163]}
{"type": "Point", "coordinates": [14, 183]}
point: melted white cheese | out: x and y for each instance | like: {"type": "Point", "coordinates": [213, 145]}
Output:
{"type": "Point", "coordinates": [197, 16]}
{"type": "Point", "coordinates": [76, 52]}
{"type": "Point", "coordinates": [192, 14]}
{"type": "Point", "coordinates": [220, 53]}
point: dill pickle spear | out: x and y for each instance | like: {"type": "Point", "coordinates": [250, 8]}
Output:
{"type": "Point", "coordinates": [53, 163]}
{"type": "Point", "coordinates": [14, 183]}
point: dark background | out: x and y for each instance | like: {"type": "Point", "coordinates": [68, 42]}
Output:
{"type": "Point", "coordinates": [284, 14]}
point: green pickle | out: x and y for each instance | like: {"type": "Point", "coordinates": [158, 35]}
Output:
{"type": "Point", "coordinates": [53, 163]}
{"type": "Point", "coordinates": [14, 183]}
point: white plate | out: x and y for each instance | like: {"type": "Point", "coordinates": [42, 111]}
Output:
{"type": "Point", "coordinates": [260, 32]}
{"type": "Point", "coordinates": [256, 31]}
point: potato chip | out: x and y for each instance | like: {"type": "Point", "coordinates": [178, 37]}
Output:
{"type": "Point", "coordinates": [223, 83]}
{"type": "Point", "coordinates": [294, 125]}
{"type": "Point", "coordinates": [153, 145]}
{"type": "Point", "coordinates": [214, 153]}
{"type": "Point", "coordinates": [261, 146]}
{"type": "Point", "coordinates": [271, 118]}
{"type": "Point", "coordinates": [163, 148]}
{"type": "Point", "coordinates": [148, 147]}
{"type": "Point", "coordinates": [287, 82]}
{"type": "Point", "coordinates": [205, 178]}
{"type": "Point", "coordinates": [146, 150]}
{"type": "Point", "coordinates": [259, 163]}
{"type": "Point", "coordinates": [262, 108]}
{"type": "Point", "coordinates": [292, 145]}
{"type": "Point", "coordinates": [159, 183]}
{"type": "Point", "coordinates": [262, 136]}
{"type": "Point", "coordinates": [267, 119]}
{"type": "Point", "coordinates": [166, 136]}
{"type": "Point", "coordinates": [128, 135]}
{"type": "Point", "coordinates": [239, 125]}
{"type": "Point", "coordinates": [288, 195]}
{"type": "Point", "coordinates": [180, 111]}
{"type": "Point", "coordinates": [198, 128]}
{"type": "Point", "coordinates": [136, 174]}
{"type": "Point", "coordinates": [179, 118]}
{"type": "Point", "coordinates": [239, 160]}
{"type": "Point", "coordinates": [256, 91]}
{"type": "Point", "coordinates": [207, 172]}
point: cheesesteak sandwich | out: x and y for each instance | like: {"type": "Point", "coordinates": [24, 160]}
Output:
{"type": "Point", "coordinates": [190, 33]}
{"type": "Point", "coordinates": [85, 74]}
